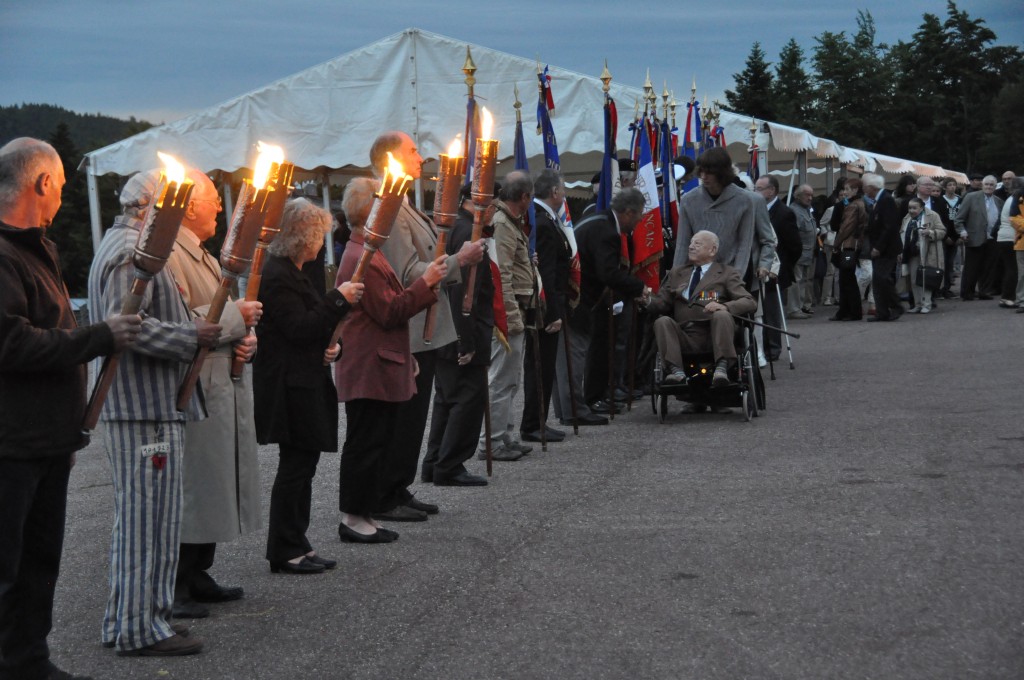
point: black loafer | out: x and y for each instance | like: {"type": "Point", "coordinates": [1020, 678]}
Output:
{"type": "Point", "coordinates": [552, 436]}
{"type": "Point", "coordinates": [349, 535]}
{"type": "Point", "coordinates": [603, 407]}
{"type": "Point", "coordinates": [322, 561]}
{"type": "Point", "coordinates": [428, 508]}
{"type": "Point", "coordinates": [216, 593]}
{"type": "Point", "coordinates": [304, 566]}
{"type": "Point", "coordinates": [188, 609]}
{"type": "Point", "coordinates": [589, 419]}
{"type": "Point", "coordinates": [461, 479]}
{"type": "Point", "coordinates": [401, 513]}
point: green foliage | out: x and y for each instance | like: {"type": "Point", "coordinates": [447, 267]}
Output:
{"type": "Point", "coordinates": [753, 94]}
{"type": "Point", "coordinates": [70, 228]}
{"type": "Point", "coordinates": [88, 131]}
{"type": "Point", "coordinates": [947, 96]}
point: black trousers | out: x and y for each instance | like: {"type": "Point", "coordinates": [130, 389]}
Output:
{"type": "Point", "coordinates": [548, 343]}
{"type": "Point", "coordinates": [849, 295]}
{"type": "Point", "coordinates": [595, 377]}
{"type": "Point", "coordinates": [193, 558]}
{"type": "Point", "coordinates": [33, 500]}
{"type": "Point", "coordinates": [773, 317]}
{"type": "Point", "coordinates": [992, 269]}
{"type": "Point", "coordinates": [974, 261]}
{"type": "Point", "coordinates": [369, 427]}
{"type": "Point", "coordinates": [887, 300]}
{"type": "Point", "coordinates": [1007, 283]}
{"type": "Point", "coordinates": [460, 397]}
{"type": "Point", "coordinates": [290, 501]}
{"type": "Point", "coordinates": [950, 259]}
{"type": "Point", "coordinates": [401, 458]}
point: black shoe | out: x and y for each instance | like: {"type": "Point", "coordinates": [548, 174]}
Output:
{"type": "Point", "coordinates": [55, 673]}
{"type": "Point", "coordinates": [176, 645]}
{"type": "Point", "coordinates": [983, 296]}
{"type": "Point", "coordinates": [602, 406]}
{"type": "Point", "coordinates": [622, 395]}
{"type": "Point", "coordinates": [550, 436]}
{"type": "Point", "coordinates": [589, 419]}
{"type": "Point", "coordinates": [205, 589]}
{"type": "Point", "coordinates": [304, 566]}
{"type": "Point", "coordinates": [322, 561]}
{"type": "Point", "coordinates": [401, 513]}
{"type": "Point", "coordinates": [428, 508]}
{"type": "Point", "coordinates": [185, 608]}
{"type": "Point", "coordinates": [461, 479]}
{"type": "Point", "coordinates": [502, 453]}
{"type": "Point", "coordinates": [427, 473]}
{"type": "Point", "coordinates": [350, 535]}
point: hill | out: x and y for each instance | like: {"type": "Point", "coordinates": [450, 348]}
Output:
{"type": "Point", "coordinates": [88, 130]}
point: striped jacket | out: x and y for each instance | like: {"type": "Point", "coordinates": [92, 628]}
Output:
{"type": "Point", "coordinates": [151, 370]}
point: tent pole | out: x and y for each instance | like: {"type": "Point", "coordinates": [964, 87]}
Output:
{"type": "Point", "coordinates": [94, 208]}
{"type": "Point", "coordinates": [329, 238]}
{"type": "Point", "coordinates": [225, 180]}
{"type": "Point", "coordinates": [802, 166]}
{"type": "Point", "coordinates": [830, 174]}
{"type": "Point", "coordinates": [792, 176]}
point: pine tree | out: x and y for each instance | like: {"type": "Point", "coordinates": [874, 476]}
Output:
{"type": "Point", "coordinates": [753, 93]}
{"type": "Point", "coordinates": [70, 228]}
{"type": "Point", "coordinates": [792, 95]}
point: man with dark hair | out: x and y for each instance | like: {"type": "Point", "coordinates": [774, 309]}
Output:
{"type": "Point", "coordinates": [42, 403]}
{"type": "Point", "coordinates": [883, 232]}
{"type": "Point", "coordinates": [604, 281]}
{"type": "Point", "coordinates": [409, 251]}
{"type": "Point", "coordinates": [512, 255]}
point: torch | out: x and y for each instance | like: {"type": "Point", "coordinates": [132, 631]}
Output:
{"type": "Point", "coordinates": [446, 207]}
{"type": "Point", "coordinates": [386, 204]}
{"type": "Point", "coordinates": [484, 166]}
{"type": "Point", "coordinates": [156, 240]}
{"type": "Point", "coordinates": [235, 255]}
{"type": "Point", "coordinates": [281, 185]}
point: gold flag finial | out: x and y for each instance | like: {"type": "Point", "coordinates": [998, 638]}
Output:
{"type": "Point", "coordinates": [518, 104]}
{"type": "Point", "coordinates": [469, 68]}
{"type": "Point", "coordinates": [693, 89]}
{"type": "Point", "coordinates": [606, 77]}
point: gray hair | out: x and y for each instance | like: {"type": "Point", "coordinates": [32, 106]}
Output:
{"type": "Point", "coordinates": [710, 234]}
{"type": "Point", "coordinates": [870, 179]}
{"type": "Point", "coordinates": [358, 200]}
{"type": "Point", "coordinates": [302, 225]}
{"type": "Point", "coordinates": [547, 181]}
{"type": "Point", "coordinates": [22, 161]}
{"type": "Point", "coordinates": [517, 184]}
{"type": "Point", "coordinates": [628, 200]}
{"type": "Point", "coordinates": [388, 141]}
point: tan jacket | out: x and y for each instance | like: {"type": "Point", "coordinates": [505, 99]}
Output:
{"type": "Point", "coordinates": [513, 256]}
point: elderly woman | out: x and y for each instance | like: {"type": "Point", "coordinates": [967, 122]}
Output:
{"type": "Point", "coordinates": [848, 242]}
{"type": "Point", "coordinates": [376, 372]}
{"type": "Point", "coordinates": [922, 232]}
{"type": "Point", "coordinates": [294, 396]}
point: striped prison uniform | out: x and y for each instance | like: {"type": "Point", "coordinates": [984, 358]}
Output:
{"type": "Point", "coordinates": [144, 437]}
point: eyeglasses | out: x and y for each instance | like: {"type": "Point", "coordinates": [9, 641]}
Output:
{"type": "Point", "coordinates": [217, 201]}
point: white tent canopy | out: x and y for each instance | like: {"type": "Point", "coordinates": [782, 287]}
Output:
{"type": "Point", "coordinates": [327, 116]}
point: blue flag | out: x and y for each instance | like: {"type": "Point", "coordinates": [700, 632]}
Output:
{"type": "Point", "coordinates": [472, 132]}
{"type": "Point", "coordinates": [607, 185]}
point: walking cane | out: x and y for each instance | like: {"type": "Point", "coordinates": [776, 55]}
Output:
{"type": "Point", "coordinates": [631, 354]}
{"type": "Point", "coordinates": [611, 355]}
{"type": "Point", "coordinates": [785, 330]}
{"type": "Point", "coordinates": [568, 370]}
{"type": "Point", "coordinates": [542, 416]}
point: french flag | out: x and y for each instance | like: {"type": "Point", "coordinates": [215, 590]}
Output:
{"type": "Point", "coordinates": [648, 241]}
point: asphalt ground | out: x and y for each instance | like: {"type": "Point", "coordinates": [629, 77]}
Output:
{"type": "Point", "coordinates": [868, 525]}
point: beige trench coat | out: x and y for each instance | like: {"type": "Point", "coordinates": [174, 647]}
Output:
{"type": "Point", "coordinates": [220, 475]}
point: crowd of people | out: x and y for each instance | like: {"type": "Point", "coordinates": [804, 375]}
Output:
{"type": "Point", "coordinates": [419, 331]}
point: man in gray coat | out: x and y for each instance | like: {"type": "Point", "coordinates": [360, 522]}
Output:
{"type": "Point", "coordinates": [976, 221]}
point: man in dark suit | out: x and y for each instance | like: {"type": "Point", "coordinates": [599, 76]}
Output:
{"type": "Point", "coordinates": [553, 255]}
{"type": "Point", "coordinates": [605, 279]}
{"type": "Point", "coordinates": [976, 219]}
{"type": "Point", "coordinates": [692, 325]}
{"type": "Point", "coordinates": [884, 236]}
{"type": "Point", "coordinates": [788, 248]}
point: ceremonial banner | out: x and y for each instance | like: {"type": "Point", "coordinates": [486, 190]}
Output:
{"type": "Point", "coordinates": [648, 243]}
{"type": "Point", "coordinates": [669, 204]}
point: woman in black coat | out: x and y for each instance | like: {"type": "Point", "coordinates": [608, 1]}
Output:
{"type": "Point", "coordinates": [295, 403]}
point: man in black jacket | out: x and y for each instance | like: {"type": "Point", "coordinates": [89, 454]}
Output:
{"type": "Point", "coordinates": [788, 248]}
{"type": "Point", "coordinates": [883, 234]}
{"type": "Point", "coordinates": [42, 402]}
{"type": "Point", "coordinates": [605, 279]}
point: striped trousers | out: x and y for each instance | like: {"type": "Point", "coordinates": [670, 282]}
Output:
{"type": "Point", "coordinates": [147, 528]}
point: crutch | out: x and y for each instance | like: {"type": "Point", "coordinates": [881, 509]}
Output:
{"type": "Point", "coordinates": [785, 330]}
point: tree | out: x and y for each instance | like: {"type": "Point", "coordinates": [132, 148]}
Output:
{"type": "Point", "coordinates": [753, 93]}
{"type": "Point", "coordinates": [70, 228]}
{"type": "Point", "coordinates": [1003, 145]}
{"type": "Point", "coordinates": [792, 95]}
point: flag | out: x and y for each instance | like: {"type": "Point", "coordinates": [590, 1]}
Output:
{"type": "Point", "coordinates": [545, 81]}
{"type": "Point", "coordinates": [718, 134]}
{"type": "Point", "coordinates": [692, 135]}
{"type": "Point", "coordinates": [520, 163]}
{"type": "Point", "coordinates": [609, 162]}
{"type": "Point", "coordinates": [472, 132]}
{"type": "Point", "coordinates": [669, 204]}
{"type": "Point", "coordinates": [754, 168]}
{"type": "Point", "coordinates": [648, 243]}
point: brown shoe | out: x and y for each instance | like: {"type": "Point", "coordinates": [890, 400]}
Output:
{"type": "Point", "coordinates": [176, 645]}
{"type": "Point", "coordinates": [178, 628]}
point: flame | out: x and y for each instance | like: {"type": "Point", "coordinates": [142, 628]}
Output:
{"type": "Point", "coordinates": [487, 124]}
{"type": "Point", "coordinates": [455, 148]}
{"type": "Point", "coordinates": [174, 171]}
{"type": "Point", "coordinates": [395, 168]}
{"type": "Point", "coordinates": [268, 155]}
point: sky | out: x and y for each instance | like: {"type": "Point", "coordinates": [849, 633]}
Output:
{"type": "Point", "coordinates": [159, 60]}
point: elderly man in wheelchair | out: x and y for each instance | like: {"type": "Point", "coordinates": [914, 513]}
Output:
{"type": "Point", "coordinates": [699, 301]}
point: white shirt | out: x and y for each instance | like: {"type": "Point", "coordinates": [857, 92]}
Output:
{"type": "Point", "coordinates": [685, 293]}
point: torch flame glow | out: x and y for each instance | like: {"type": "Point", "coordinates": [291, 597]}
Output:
{"type": "Point", "coordinates": [487, 124]}
{"type": "Point", "coordinates": [173, 170]}
{"type": "Point", "coordinates": [455, 148]}
{"type": "Point", "coordinates": [268, 155]}
{"type": "Point", "coordinates": [395, 168]}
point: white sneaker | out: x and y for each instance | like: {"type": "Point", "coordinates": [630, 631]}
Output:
{"type": "Point", "coordinates": [926, 310]}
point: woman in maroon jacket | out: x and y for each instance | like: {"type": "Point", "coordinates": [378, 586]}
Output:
{"type": "Point", "coordinates": [376, 370]}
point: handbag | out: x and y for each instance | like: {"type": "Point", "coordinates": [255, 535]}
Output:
{"type": "Point", "coordinates": [927, 277]}
{"type": "Point", "coordinates": [848, 259]}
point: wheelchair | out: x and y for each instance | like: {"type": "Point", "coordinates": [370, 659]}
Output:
{"type": "Point", "coordinates": [745, 388]}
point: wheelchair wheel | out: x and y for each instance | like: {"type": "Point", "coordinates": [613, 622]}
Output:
{"type": "Point", "coordinates": [749, 411]}
{"type": "Point", "coordinates": [663, 411]}
{"type": "Point", "coordinates": [750, 399]}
